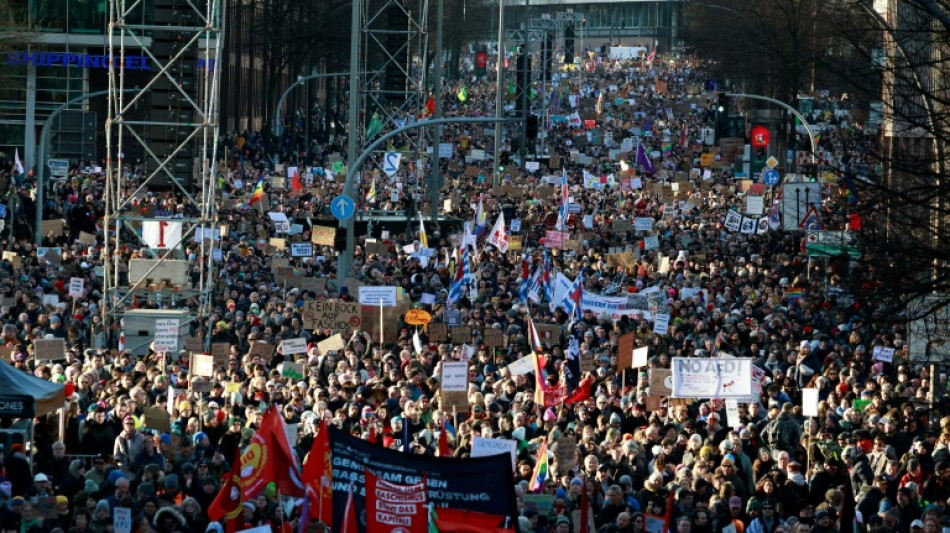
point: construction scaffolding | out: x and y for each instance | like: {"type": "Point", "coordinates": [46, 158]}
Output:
{"type": "Point", "coordinates": [160, 216]}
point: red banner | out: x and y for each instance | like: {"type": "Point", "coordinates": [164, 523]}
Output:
{"type": "Point", "coordinates": [391, 507]}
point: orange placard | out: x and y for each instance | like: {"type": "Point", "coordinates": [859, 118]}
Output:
{"type": "Point", "coordinates": [417, 317]}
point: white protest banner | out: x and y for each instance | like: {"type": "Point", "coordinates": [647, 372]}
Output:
{"type": "Point", "coordinates": [712, 378]}
{"type": "Point", "coordinates": [166, 335]}
{"type": "Point", "coordinates": [301, 249]}
{"type": "Point", "coordinates": [203, 365]}
{"type": "Point", "coordinates": [521, 367]}
{"type": "Point", "coordinates": [122, 520]}
{"type": "Point", "coordinates": [643, 224]}
{"type": "Point", "coordinates": [293, 346]}
{"type": "Point", "coordinates": [373, 295]}
{"type": "Point", "coordinates": [732, 413]}
{"type": "Point", "coordinates": [75, 287]}
{"type": "Point", "coordinates": [482, 447]}
{"type": "Point", "coordinates": [455, 376]}
{"type": "Point", "coordinates": [754, 205]}
{"type": "Point", "coordinates": [883, 354]}
{"type": "Point", "coordinates": [661, 326]}
{"type": "Point", "coordinates": [810, 402]}
{"type": "Point", "coordinates": [615, 306]}
{"type": "Point", "coordinates": [640, 358]}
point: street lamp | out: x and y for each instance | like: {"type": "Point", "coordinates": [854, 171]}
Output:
{"type": "Point", "coordinates": [41, 167]}
{"type": "Point", "coordinates": [280, 102]}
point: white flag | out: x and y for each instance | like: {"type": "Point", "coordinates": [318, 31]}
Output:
{"type": "Point", "coordinates": [16, 161]}
{"type": "Point", "coordinates": [498, 237]}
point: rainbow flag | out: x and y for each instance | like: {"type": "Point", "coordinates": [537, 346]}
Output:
{"type": "Point", "coordinates": [794, 293]}
{"type": "Point", "coordinates": [256, 195]}
{"type": "Point", "coordinates": [540, 473]}
{"type": "Point", "coordinates": [667, 148]}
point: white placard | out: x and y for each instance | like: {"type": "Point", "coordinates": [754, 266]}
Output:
{"type": "Point", "coordinates": [166, 335]}
{"type": "Point", "coordinates": [122, 520]}
{"type": "Point", "coordinates": [293, 346]}
{"type": "Point", "coordinates": [455, 376]}
{"type": "Point", "coordinates": [301, 249]}
{"type": "Point", "coordinates": [373, 295]}
{"type": "Point", "coordinates": [712, 378]}
{"type": "Point", "coordinates": [588, 221]}
{"type": "Point", "coordinates": [810, 402]}
{"type": "Point", "coordinates": [161, 234]}
{"type": "Point", "coordinates": [532, 166]}
{"type": "Point", "coordinates": [482, 447]}
{"type": "Point", "coordinates": [643, 224]}
{"type": "Point", "coordinates": [522, 366]}
{"type": "Point", "coordinates": [445, 151]}
{"type": "Point", "coordinates": [391, 163]}
{"type": "Point", "coordinates": [640, 358]}
{"type": "Point", "coordinates": [754, 205]}
{"type": "Point", "coordinates": [661, 325]}
{"type": "Point", "coordinates": [76, 287]}
{"type": "Point", "coordinates": [203, 365]}
{"type": "Point", "coordinates": [883, 354]}
{"type": "Point", "coordinates": [732, 413]}
{"type": "Point", "coordinates": [427, 298]}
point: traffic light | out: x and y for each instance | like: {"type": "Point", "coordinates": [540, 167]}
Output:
{"type": "Point", "coordinates": [722, 116]}
{"type": "Point", "coordinates": [504, 159]}
{"type": "Point", "coordinates": [531, 127]}
{"type": "Point", "coordinates": [761, 154]}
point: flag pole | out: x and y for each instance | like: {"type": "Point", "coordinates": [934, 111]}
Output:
{"type": "Point", "coordinates": [381, 336]}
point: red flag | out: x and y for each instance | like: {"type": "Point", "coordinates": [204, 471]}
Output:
{"type": "Point", "coordinates": [318, 472]}
{"type": "Point", "coordinates": [430, 106]}
{"type": "Point", "coordinates": [581, 393]}
{"type": "Point", "coordinates": [462, 521]}
{"type": "Point", "coordinates": [227, 504]}
{"type": "Point", "coordinates": [268, 459]}
{"type": "Point", "coordinates": [295, 184]}
{"type": "Point", "coordinates": [444, 450]}
{"type": "Point", "coordinates": [349, 513]}
{"type": "Point", "coordinates": [391, 507]}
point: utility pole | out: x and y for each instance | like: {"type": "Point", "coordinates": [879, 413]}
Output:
{"type": "Point", "coordinates": [345, 261]}
{"type": "Point", "coordinates": [525, 86]}
{"type": "Point", "coordinates": [436, 171]}
{"type": "Point", "coordinates": [499, 99]}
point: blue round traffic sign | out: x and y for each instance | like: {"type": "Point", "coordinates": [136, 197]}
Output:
{"type": "Point", "coordinates": [342, 207]}
{"type": "Point", "coordinates": [771, 177]}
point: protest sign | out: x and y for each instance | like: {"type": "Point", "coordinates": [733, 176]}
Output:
{"type": "Point", "coordinates": [417, 317]}
{"type": "Point", "coordinates": [334, 343]}
{"type": "Point", "coordinates": [372, 295]}
{"type": "Point", "coordinates": [293, 346]}
{"type": "Point", "coordinates": [494, 338]}
{"type": "Point", "coordinates": [221, 351]}
{"type": "Point", "coordinates": [625, 350]}
{"type": "Point", "coordinates": [439, 331]}
{"type": "Point", "coordinates": [49, 349]}
{"type": "Point", "coordinates": [880, 353]}
{"type": "Point", "coordinates": [461, 334]}
{"type": "Point", "coordinates": [454, 386]}
{"type": "Point", "coordinates": [712, 378]}
{"type": "Point", "coordinates": [482, 484]}
{"type": "Point", "coordinates": [262, 349]}
{"type": "Point", "coordinates": [203, 365]}
{"type": "Point", "coordinates": [301, 249]}
{"type": "Point", "coordinates": [318, 314]}
{"type": "Point", "coordinates": [323, 235]}
{"type": "Point", "coordinates": [810, 402]}
{"type": "Point", "coordinates": [566, 453]}
{"type": "Point", "coordinates": [166, 335]}
{"type": "Point", "coordinates": [76, 287]}
{"type": "Point", "coordinates": [661, 381]}
{"type": "Point", "coordinates": [661, 324]}
{"type": "Point", "coordinates": [122, 520]}
{"type": "Point", "coordinates": [483, 447]}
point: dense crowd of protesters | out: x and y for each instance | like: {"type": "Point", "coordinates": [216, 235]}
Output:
{"type": "Point", "coordinates": [874, 458]}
